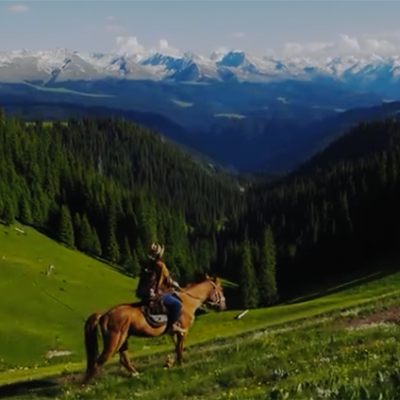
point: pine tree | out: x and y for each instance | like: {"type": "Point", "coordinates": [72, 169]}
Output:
{"type": "Point", "coordinates": [66, 229]}
{"type": "Point", "coordinates": [248, 283]}
{"type": "Point", "coordinates": [111, 251]}
{"type": "Point", "coordinates": [8, 211]}
{"type": "Point", "coordinates": [86, 240]}
{"type": "Point", "coordinates": [95, 244]}
{"type": "Point", "coordinates": [267, 270]}
{"type": "Point", "coordinates": [135, 266]}
{"type": "Point", "coordinates": [126, 256]}
{"type": "Point", "coordinates": [37, 207]}
{"type": "Point", "coordinates": [25, 211]}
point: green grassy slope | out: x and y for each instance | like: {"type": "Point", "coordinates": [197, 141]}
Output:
{"type": "Point", "coordinates": [347, 354]}
{"type": "Point", "coordinates": [41, 313]}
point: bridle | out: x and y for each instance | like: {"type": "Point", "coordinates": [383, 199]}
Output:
{"type": "Point", "coordinates": [217, 294]}
{"type": "Point", "coordinates": [218, 297]}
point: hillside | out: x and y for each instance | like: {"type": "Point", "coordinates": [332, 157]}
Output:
{"type": "Point", "coordinates": [41, 312]}
{"type": "Point", "coordinates": [244, 125]}
{"type": "Point", "coordinates": [45, 313]}
{"type": "Point", "coordinates": [269, 350]}
{"type": "Point", "coordinates": [110, 187]}
{"type": "Point", "coordinates": [277, 137]}
{"type": "Point", "coordinates": [112, 192]}
{"type": "Point", "coordinates": [369, 137]}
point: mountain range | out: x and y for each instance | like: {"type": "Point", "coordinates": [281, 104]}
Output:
{"type": "Point", "coordinates": [367, 71]}
{"type": "Point", "coordinates": [244, 111]}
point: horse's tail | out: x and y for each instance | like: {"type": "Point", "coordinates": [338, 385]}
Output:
{"type": "Point", "coordinates": [91, 342]}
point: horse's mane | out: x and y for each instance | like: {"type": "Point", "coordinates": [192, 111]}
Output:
{"type": "Point", "coordinates": [201, 280]}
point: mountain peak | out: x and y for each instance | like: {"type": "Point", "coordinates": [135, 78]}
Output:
{"type": "Point", "coordinates": [234, 58]}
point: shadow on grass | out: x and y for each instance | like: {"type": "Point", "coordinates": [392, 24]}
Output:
{"type": "Point", "coordinates": [373, 273]}
{"type": "Point", "coordinates": [44, 387]}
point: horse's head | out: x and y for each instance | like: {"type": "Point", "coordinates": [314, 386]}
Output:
{"type": "Point", "coordinates": [216, 296]}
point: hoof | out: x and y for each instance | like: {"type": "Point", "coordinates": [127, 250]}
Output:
{"type": "Point", "coordinates": [169, 363]}
{"type": "Point", "coordinates": [134, 374]}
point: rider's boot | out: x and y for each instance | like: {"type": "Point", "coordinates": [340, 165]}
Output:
{"type": "Point", "coordinates": [175, 328]}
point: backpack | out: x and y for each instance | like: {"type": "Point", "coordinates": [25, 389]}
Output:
{"type": "Point", "coordinates": [147, 281]}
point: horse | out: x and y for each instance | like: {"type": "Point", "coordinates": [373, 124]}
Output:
{"type": "Point", "coordinates": [125, 320]}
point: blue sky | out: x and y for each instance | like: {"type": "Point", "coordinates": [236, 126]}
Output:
{"type": "Point", "coordinates": [288, 27]}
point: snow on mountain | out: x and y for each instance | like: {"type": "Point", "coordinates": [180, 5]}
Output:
{"type": "Point", "coordinates": [221, 65]}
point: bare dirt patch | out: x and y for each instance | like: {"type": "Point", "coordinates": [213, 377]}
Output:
{"type": "Point", "coordinates": [391, 316]}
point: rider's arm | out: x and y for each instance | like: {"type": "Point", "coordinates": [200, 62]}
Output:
{"type": "Point", "coordinates": [165, 276]}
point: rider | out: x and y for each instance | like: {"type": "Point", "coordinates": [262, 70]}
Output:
{"type": "Point", "coordinates": [165, 285]}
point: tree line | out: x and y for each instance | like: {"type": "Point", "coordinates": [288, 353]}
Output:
{"type": "Point", "coordinates": [109, 188]}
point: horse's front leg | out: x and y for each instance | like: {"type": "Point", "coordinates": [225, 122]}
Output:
{"type": "Point", "coordinates": [178, 340]}
{"type": "Point", "coordinates": [179, 348]}
{"type": "Point", "coordinates": [169, 362]}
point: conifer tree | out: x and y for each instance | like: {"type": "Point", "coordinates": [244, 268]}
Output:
{"type": "Point", "coordinates": [95, 244]}
{"type": "Point", "coordinates": [248, 283]}
{"type": "Point", "coordinates": [126, 256]}
{"type": "Point", "coordinates": [25, 211]}
{"type": "Point", "coordinates": [135, 266]}
{"type": "Point", "coordinates": [8, 211]}
{"type": "Point", "coordinates": [267, 270]}
{"type": "Point", "coordinates": [86, 240]}
{"type": "Point", "coordinates": [36, 206]}
{"type": "Point", "coordinates": [111, 250]}
{"type": "Point", "coordinates": [65, 227]}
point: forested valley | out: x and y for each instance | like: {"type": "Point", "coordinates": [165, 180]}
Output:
{"type": "Point", "coordinates": [108, 187]}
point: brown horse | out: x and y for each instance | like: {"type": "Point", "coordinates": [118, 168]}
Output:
{"type": "Point", "coordinates": [125, 320]}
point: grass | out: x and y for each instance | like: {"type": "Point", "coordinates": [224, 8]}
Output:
{"type": "Point", "coordinates": [224, 358]}
{"type": "Point", "coordinates": [39, 313]}
{"type": "Point", "coordinates": [330, 356]}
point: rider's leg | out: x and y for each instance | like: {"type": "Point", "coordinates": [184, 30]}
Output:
{"type": "Point", "coordinates": [175, 308]}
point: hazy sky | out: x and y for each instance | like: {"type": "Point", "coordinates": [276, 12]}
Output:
{"type": "Point", "coordinates": [288, 27]}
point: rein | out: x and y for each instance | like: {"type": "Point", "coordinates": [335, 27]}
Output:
{"type": "Point", "coordinates": [216, 293]}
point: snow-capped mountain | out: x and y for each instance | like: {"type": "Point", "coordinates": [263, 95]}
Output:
{"type": "Point", "coordinates": [241, 108]}
{"type": "Point", "coordinates": [64, 64]}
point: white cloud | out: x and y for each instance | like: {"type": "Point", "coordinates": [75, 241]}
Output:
{"type": "Point", "coordinates": [164, 47]}
{"type": "Point", "coordinates": [381, 45]}
{"type": "Point", "coordinates": [18, 8]}
{"type": "Point", "coordinates": [129, 44]}
{"type": "Point", "coordinates": [111, 18]}
{"type": "Point", "coordinates": [239, 35]}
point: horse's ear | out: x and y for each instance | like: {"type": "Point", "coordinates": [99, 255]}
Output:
{"type": "Point", "coordinates": [207, 276]}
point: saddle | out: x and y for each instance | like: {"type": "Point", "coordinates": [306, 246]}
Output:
{"type": "Point", "coordinates": [155, 311]}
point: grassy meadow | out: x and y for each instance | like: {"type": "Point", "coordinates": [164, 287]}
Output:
{"type": "Point", "coordinates": [340, 343]}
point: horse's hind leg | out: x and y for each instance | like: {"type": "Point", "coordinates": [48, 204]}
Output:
{"type": "Point", "coordinates": [125, 360]}
{"type": "Point", "coordinates": [111, 341]}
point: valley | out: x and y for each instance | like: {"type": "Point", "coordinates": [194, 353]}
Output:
{"type": "Point", "coordinates": [283, 109]}
{"type": "Point", "coordinates": [246, 153]}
